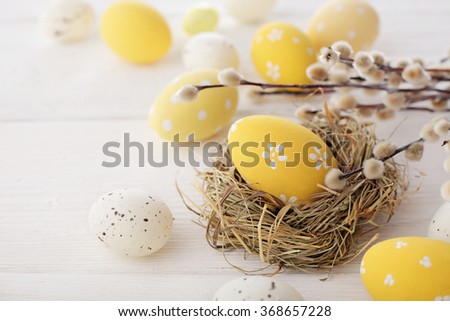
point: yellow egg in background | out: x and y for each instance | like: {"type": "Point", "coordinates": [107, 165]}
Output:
{"type": "Point", "coordinates": [200, 18]}
{"type": "Point", "coordinates": [351, 20]}
{"type": "Point", "coordinates": [279, 156]}
{"type": "Point", "coordinates": [203, 117]}
{"type": "Point", "coordinates": [281, 53]}
{"type": "Point", "coordinates": [407, 268]}
{"type": "Point", "coordinates": [135, 31]}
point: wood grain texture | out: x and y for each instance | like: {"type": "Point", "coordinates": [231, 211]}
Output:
{"type": "Point", "coordinates": [60, 104]}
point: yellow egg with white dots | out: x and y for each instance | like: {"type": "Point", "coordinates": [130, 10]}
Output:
{"type": "Point", "coordinates": [407, 268]}
{"type": "Point", "coordinates": [354, 21]}
{"type": "Point", "coordinates": [135, 31]}
{"type": "Point", "coordinates": [280, 157]}
{"type": "Point", "coordinates": [202, 117]}
{"type": "Point", "coordinates": [281, 53]}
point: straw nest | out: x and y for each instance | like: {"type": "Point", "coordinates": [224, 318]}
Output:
{"type": "Point", "coordinates": [328, 231]}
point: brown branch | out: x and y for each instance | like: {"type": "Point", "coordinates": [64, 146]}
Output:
{"type": "Point", "coordinates": [328, 86]}
{"type": "Point", "coordinates": [396, 152]}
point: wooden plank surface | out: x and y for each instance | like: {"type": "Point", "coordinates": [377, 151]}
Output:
{"type": "Point", "coordinates": [55, 116]}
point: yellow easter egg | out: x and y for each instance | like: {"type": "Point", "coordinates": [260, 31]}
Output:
{"type": "Point", "coordinates": [200, 19]}
{"type": "Point", "coordinates": [135, 31]}
{"type": "Point", "coordinates": [350, 20]}
{"type": "Point", "coordinates": [281, 53]}
{"type": "Point", "coordinates": [202, 117]}
{"type": "Point", "coordinates": [279, 156]}
{"type": "Point", "coordinates": [407, 268]}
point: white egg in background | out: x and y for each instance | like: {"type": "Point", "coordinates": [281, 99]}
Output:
{"type": "Point", "coordinates": [67, 20]}
{"type": "Point", "coordinates": [131, 222]}
{"type": "Point", "coordinates": [210, 50]}
{"type": "Point", "coordinates": [257, 288]}
{"type": "Point", "coordinates": [439, 227]}
{"type": "Point", "coordinates": [248, 10]}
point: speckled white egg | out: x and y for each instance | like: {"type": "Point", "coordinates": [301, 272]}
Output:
{"type": "Point", "coordinates": [439, 227]}
{"type": "Point", "coordinates": [248, 10]}
{"type": "Point", "coordinates": [257, 288]}
{"type": "Point", "coordinates": [131, 222]}
{"type": "Point", "coordinates": [210, 50]}
{"type": "Point", "coordinates": [68, 20]}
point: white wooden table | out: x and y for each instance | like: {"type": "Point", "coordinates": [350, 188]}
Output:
{"type": "Point", "coordinates": [60, 104]}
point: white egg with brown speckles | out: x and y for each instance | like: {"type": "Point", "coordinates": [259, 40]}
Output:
{"type": "Point", "coordinates": [439, 227]}
{"type": "Point", "coordinates": [257, 288]}
{"type": "Point", "coordinates": [210, 50]}
{"type": "Point", "coordinates": [131, 222]}
{"type": "Point", "coordinates": [68, 20]}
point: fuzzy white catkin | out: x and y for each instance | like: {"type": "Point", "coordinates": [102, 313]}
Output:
{"type": "Point", "coordinates": [230, 77]}
{"type": "Point", "coordinates": [439, 103]}
{"type": "Point", "coordinates": [342, 66]}
{"type": "Point", "coordinates": [373, 168]}
{"type": "Point", "coordinates": [328, 56]}
{"type": "Point", "coordinates": [418, 60]}
{"type": "Point", "coordinates": [339, 76]}
{"type": "Point", "coordinates": [394, 80]}
{"type": "Point", "coordinates": [395, 100]}
{"type": "Point", "coordinates": [373, 75]}
{"type": "Point", "coordinates": [414, 152]}
{"type": "Point", "coordinates": [187, 93]}
{"type": "Point", "coordinates": [333, 181]}
{"type": "Point", "coordinates": [384, 149]}
{"type": "Point", "coordinates": [344, 101]}
{"type": "Point", "coordinates": [385, 114]}
{"type": "Point", "coordinates": [442, 127]}
{"type": "Point", "coordinates": [305, 113]}
{"type": "Point", "coordinates": [437, 118]}
{"type": "Point", "coordinates": [445, 191]}
{"type": "Point", "coordinates": [343, 47]}
{"type": "Point", "coordinates": [378, 57]}
{"type": "Point", "coordinates": [416, 75]}
{"type": "Point", "coordinates": [317, 72]}
{"type": "Point", "coordinates": [365, 111]}
{"type": "Point", "coordinates": [402, 63]}
{"type": "Point", "coordinates": [363, 61]}
{"type": "Point", "coordinates": [427, 132]}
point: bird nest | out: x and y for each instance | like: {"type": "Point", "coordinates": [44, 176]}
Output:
{"type": "Point", "coordinates": [330, 230]}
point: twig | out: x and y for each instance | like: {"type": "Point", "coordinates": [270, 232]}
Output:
{"type": "Point", "coordinates": [397, 151]}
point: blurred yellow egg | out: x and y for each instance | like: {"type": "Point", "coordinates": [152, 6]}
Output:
{"type": "Point", "coordinates": [281, 53]}
{"type": "Point", "coordinates": [135, 31]}
{"type": "Point", "coordinates": [407, 268]}
{"type": "Point", "coordinates": [200, 19]}
{"type": "Point", "coordinates": [279, 156]}
{"type": "Point", "coordinates": [203, 117]}
{"type": "Point", "coordinates": [350, 20]}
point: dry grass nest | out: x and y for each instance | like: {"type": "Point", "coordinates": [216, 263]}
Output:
{"type": "Point", "coordinates": [330, 230]}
